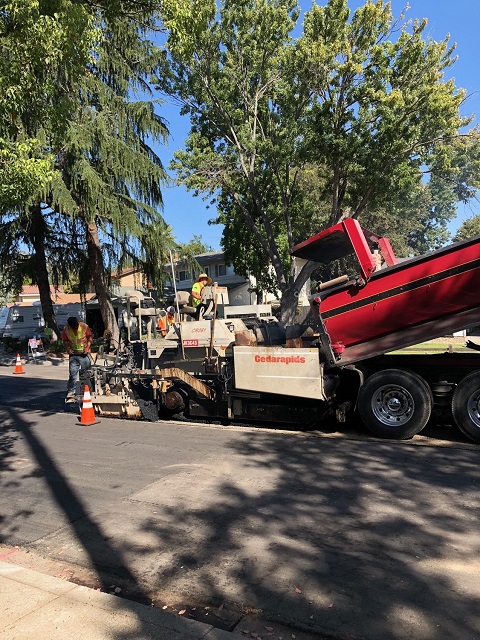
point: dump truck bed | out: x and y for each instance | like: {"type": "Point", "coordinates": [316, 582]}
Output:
{"type": "Point", "coordinates": [405, 303]}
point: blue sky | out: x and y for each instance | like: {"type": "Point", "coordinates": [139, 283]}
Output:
{"type": "Point", "coordinates": [459, 18]}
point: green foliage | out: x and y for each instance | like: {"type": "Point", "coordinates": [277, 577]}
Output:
{"type": "Point", "coordinates": [44, 48]}
{"type": "Point", "coordinates": [382, 104]}
{"type": "Point", "coordinates": [109, 169]}
{"type": "Point", "coordinates": [194, 247]}
{"type": "Point", "coordinates": [13, 345]}
{"type": "Point", "coordinates": [86, 147]}
{"type": "Point", "coordinates": [56, 347]}
{"type": "Point", "coordinates": [61, 244]}
{"type": "Point", "coordinates": [468, 229]}
{"type": "Point", "coordinates": [9, 286]}
{"type": "Point", "coordinates": [25, 172]}
{"type": "Point", "coordinates": [187, 21]}
{"type": "Point", "coordinates": [226, 86]}
{"type": "Point", "coordinates": [355, 111]}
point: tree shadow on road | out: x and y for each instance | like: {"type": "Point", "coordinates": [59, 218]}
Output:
{"type": "Point", "coordinates": [101, 553]}
{"type": "Point", "coordinates": [369, 538]}
{"type": "Point", "coordinates": [34, 394]}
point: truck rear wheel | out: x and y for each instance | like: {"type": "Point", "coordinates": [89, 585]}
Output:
{"type": "Point", "coordinates": [395, 404]}
{"type": "Point", "coordinates": [466, 406]}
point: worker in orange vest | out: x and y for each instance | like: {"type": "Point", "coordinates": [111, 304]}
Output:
{"type": "Point", "coordinates": [166, 321]}
{"type": "Point", "coordinates": [77, 338]}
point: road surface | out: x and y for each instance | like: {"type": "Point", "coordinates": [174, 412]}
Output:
{"type": "Point", "coordinates": [342, 534]}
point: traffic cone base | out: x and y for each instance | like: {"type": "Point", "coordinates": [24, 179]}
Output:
{"type": "Point", "coordinates": [87, 415]}
{"type": "Point", "coordinates": [18, 365]}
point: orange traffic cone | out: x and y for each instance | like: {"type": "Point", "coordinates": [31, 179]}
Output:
{"type": "Point", "coordinates": [87, 416]}
{"type": "Point", "coordinates": [18, 365]}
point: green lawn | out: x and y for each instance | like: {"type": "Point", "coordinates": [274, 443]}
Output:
{"type": "Point", "coordinates": [440, 345]}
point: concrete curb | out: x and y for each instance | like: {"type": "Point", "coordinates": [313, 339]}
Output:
{"type": "Point", "coordinates": [35, 605]}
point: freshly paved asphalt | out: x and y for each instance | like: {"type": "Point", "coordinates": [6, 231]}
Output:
{"type": "Point", "coordinates": [344, 535]}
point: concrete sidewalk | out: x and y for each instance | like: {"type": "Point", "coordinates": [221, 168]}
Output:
{"type": "Point", "coordinates": [40, 607]}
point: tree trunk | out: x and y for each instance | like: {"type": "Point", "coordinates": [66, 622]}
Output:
{"type": "Point", "coordinates": [97, 272]}
{"type": "Point", "coordinates": [288, 305]}
{"type": "Point", "coordinates": [300, 272]}
{"type": "Point", "coordinates": [37, 233]}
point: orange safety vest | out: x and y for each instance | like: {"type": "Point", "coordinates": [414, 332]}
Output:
{"type": "Point", "coordinates": [78, 338]}
{"type": "Point", "coordinates": [164, 323]}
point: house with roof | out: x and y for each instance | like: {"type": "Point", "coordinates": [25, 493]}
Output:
{"type": "Point", "coordinates": [30, 294]}
{"type": "Point", "coordinates": [212, 263]}
{"type": "Point", "coordinates": [128, 279]}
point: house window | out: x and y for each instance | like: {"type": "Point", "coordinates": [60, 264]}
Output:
{"type": "Point", "coordinates": [203, 270]}
{"type": "Point", "coordinates": [220, 270]}
{"type": "Point", "coordinates": [184, 275]}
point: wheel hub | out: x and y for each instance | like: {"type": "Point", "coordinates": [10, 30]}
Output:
{"type": "Point", "coordinates": [393, 405]}
{"type": "Point", "coordinates": [473, 408]}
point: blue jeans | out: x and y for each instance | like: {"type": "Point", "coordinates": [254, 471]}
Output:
{"type": "Point", "coordinates": [77, 364]}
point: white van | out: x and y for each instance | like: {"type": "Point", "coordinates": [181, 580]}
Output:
{"type": "Point", "coordinates": [26, 321]}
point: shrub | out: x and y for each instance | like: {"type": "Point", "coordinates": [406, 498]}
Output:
{"type": "Point", "coordinates": [56, 347]}
{"type": "Point", "coordinates": [13, 345]}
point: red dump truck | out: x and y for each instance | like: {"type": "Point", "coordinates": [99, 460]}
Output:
{"type": "Point", "coordinates": [340, 363]}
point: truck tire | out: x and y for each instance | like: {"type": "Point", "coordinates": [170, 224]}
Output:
{"type": "Point", "coordinates": [466, 406]}
{"type": "Point", "coordinates": [395, 404]}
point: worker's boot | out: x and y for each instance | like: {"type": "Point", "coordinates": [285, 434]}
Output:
{"type": "Point", "coordinates": [70, 397]}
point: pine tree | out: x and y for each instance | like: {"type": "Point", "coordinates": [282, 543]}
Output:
{"type": "Point", "coordinates": [38, 245]}
{"type": "Point", "coordinates": [109, 169]}
{"type": "Point", "coordinates": [112, 183]}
